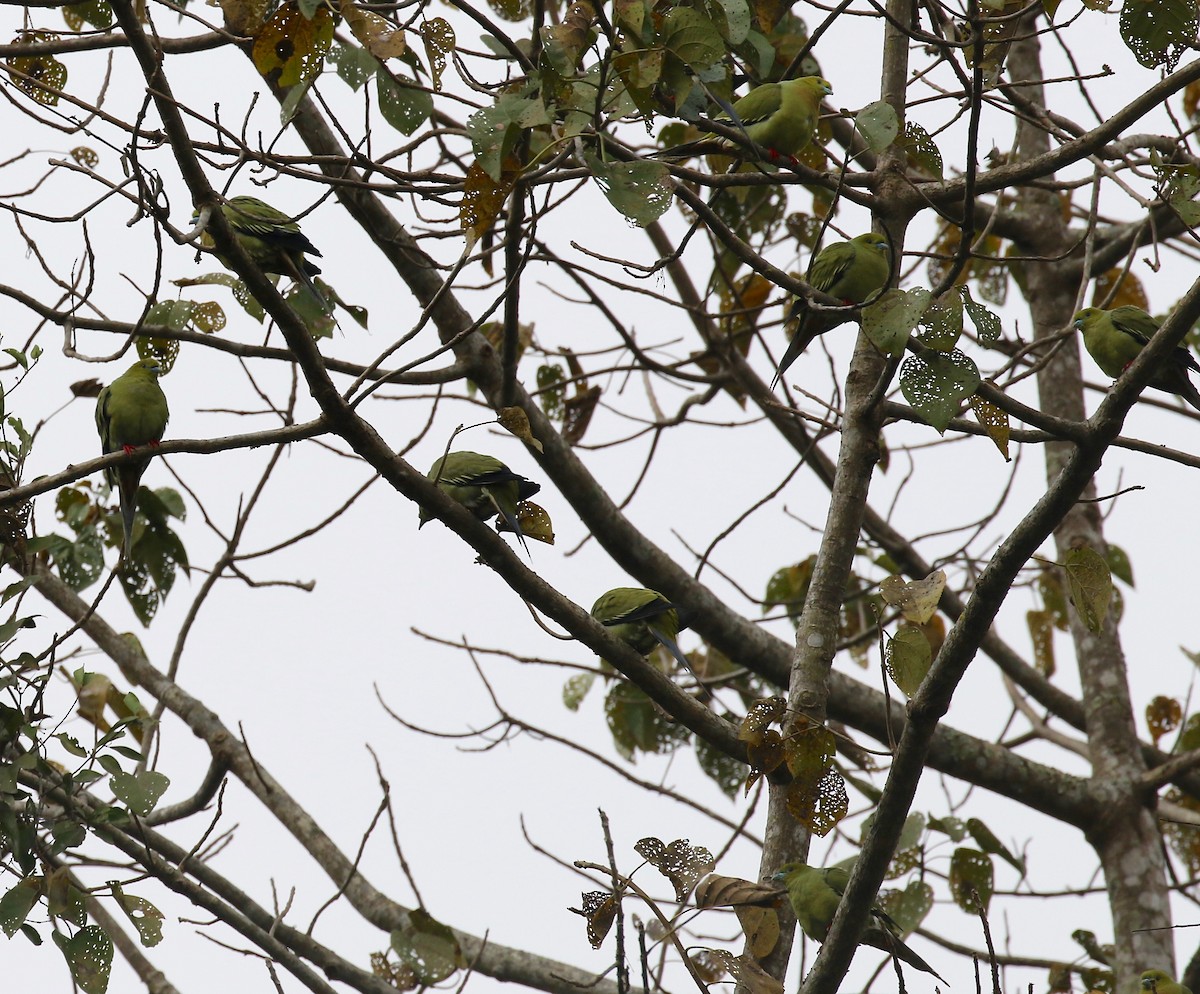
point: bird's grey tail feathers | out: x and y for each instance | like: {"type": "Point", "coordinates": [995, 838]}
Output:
{"type": "Point", "coordinates": [880, 938]}
{"type": "Point", "coordinates": [673, 648]}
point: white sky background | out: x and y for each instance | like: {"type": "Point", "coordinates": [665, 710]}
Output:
{"type": "Point", "coordinates": [297, 670]}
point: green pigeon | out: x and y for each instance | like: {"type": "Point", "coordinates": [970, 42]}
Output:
{"type": "Point", "coordinates": [643, 618]}
{"type": "Point", "coordinates": [851, 271]}
{"type": "Point", "coordinates": [484, 486]}
{"type": "Point", "coordinates": [780, 117]}
{"type": "Point", "coordinates": [1115, 338]}
{"type": "Point", "coordinates": [272, 239]}
{"type": "Point", "coordinates": [131, 412]}
{"type": "Point", "coordinates": [1160, 982]}
{"type": "Point", "coordinates": [815, 895]}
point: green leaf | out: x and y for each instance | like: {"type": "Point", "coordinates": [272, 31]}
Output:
{"type": "Point", "coordinates": [1119, 564]}
{"type": "Point", "coordinates": [1158, 32]}
{"type": "Point", "coordinates": [908, 907]}
{"type": "Point", "coordinates": [971, 871]}
{"type": "Point", "coordinates": [89, 954]}
{"type": "Point", "coordinates": [576, 689]}
{"type": "Point", "coordinates": [495, 130]}
{"type": "Point", "coordinates": [692, 37]}
{"type": "Point", "coordinates": [888, 321]}
{"type": "Point", "coordinates": [923, 155]}
{"type": "Point", "coordinates": [355, 65]}
{"type": "Point", "coordinates": [428, 948]}
{"type": "Point", "coordinates": [140, 792]}
{"type": "Point", "coordinates": [16, 904]}
{"type": "Point", "coordinates": [405, 108]}
{"type": "Point", "coordinates": [97, 13]}
{"type": "Point", "coordinates": [146, 918]}
{"type": "Point", "coordinates": [936, 385]}
{"type": "Point", "coordinates": [989, 843]}
{"type": "Point", "coordinates": [878, 124]}
{"type": "Point", "coordinates": [950, 826]}
{"type": "Point", "coordinates": [737, 20]}
{"type": "Point", "coordinates": [1091, 586]}
{"type": "Point", "coordinates": [641, 191]}
{"type": "Point", "coordinates": [726, 772]}
{"type": "Point", "coordinates": [941, 324]}
{"type": "Point", "coordinates": [987, 324]}
{"type": "Point", "coordinates": [907, 657]}
{"type": "Point", "coordinates": [788, 587]}
{"type": "Point", "coordinates": [636, 725]}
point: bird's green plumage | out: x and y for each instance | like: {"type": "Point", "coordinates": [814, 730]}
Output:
{"type": "Point", "coordinates": [131, 412]}
{"type": "Point", "coordinates": [1160, 982]}
{"type": "Point", "coordinates": [851, 271]}
{"type": "Point", "coordinates": [780, 117]}
{"type": "Point", "coordinates": [483, 485]}
{"type": "Point", "coordinates": [643, 618]}
{"type": "Point", "coordinates": [815, 894]}
{"type": "Point", "coordinates": [272, 239]}
{"type": "Point", "coordinates": [1115, 338]}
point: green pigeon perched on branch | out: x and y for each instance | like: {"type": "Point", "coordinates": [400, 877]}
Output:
{"type": "Point", "coordinates": [815, 895]}
{"type": "Point", "coordinates": [1115, 338]}
{"type": "Point", "coordinates": [851, 271]}
{"type": "Point", "coordinates": [484, 486]}
{"type": "Point", "coordinates": [272, 239]}
{"type": "Point", "coordinates": [131, 412]}
{"type": "Point", "coordinates": [780, 117]}
{"type": "Point", "coordinates": [643, 618]}
{"type": "Point", "coordinates": [1160, 982]}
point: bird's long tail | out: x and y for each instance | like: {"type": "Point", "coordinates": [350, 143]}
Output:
{"type": "Point", "coordinates": [882, 938]}
{"type": "Point", "coordinates": [509, 514]}
{"type": "Point", "coordinates": [1190, 393]}
{"type": "Point", "coordinates": [672, 647]}
{"type": "Point", "coordinates": [299, 273]}
{"type": "Point", "coordinates": [128, 479]}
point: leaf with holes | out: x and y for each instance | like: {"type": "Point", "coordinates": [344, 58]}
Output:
{"type": "Point", "coordinates": [917, 599]}
{"type": "Point", "coordinates": [878, 124]}
{"type": "Point", "coordinates": [642, 191]}
{"type": "Point", "coordinates": [971, 876]}
{"type": "Point", "coordinates": [936, 385]}
{"type": "Point", "coordinates": [146, 918]}
{"type": "Point", "coordinates": [680, 862]}
{"type": "Point", "coordinates": [1158, 32]}
{"type": "Point", "coordinates": [1090, 582]}
{"type": "Point", "coordinates": [907, 656]}
{"type": "Point", "coordinates": [89, 954]}
{"type": "Point", "coordinates": [140, 792]}
{"type": "Point", "coordinates": [888, 321]}
{"type": "Point", "coordinates": [427, 947]}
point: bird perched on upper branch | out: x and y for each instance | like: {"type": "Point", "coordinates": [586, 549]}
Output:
{"type": "Point", "coordinates": [483, 485]}
{"type": "Point", "coordinates": [272, 239]}
{"type": "Point", "coordinates": [1115, 338]}
{"type": "Point", "coordinates": [850, 271]}
{"type": "Point", "coordinates": [781, 117]}
{"type": "Point", "coordinates": [131, 412]}
{"type": "Point", "coordinates": [815, 894]}
{"type": "Point", "coordinates": [643, 618]}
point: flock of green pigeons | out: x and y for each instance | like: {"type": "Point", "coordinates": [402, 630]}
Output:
{"type": "Point", "coordinates": [131, 413]}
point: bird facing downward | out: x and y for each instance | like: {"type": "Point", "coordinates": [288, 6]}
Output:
{"type": "Point", "coordinates": [131, 412]}
{"type": "Point", "coordinates": [1115, 338]}
{"type": "Point", "coordinates": [483, 485]}
{"type": "Point", "coordinates": [643, 618]}
{"type": "Point", "coordinates": [851, 271]}
{"type": "Point", "coordinates": [815, 894]}
{"type": "Point", "coordinates": [780, 117]}
{"type": "Point", "coordinates": [271, 239]}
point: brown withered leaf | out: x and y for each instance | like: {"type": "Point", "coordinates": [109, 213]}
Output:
{"type": "Point", "coordinates": [717, 891]}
